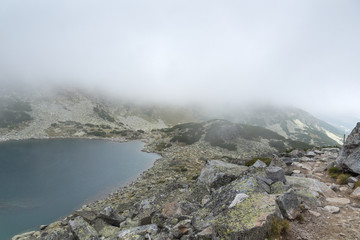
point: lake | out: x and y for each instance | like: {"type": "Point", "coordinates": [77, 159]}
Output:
{"type": "Point", "coordinates": [44, 180]}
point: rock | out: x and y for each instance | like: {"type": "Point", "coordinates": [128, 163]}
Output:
{"type": "Point", "coordinates": [332, 150]}
{"type": "Point", "coordinates": [309, 188]}
{"type": "Point", "coordinates": [250, 217]}
{"type": "Point", "coordinates": [340, 201]}
{"type": "Point", "coordinates": [335, 187]}
{"type": "Point", "coordinates": [176, 209]}
{"type": "Point", "coordinates": [109, 231]}
{"type": "Point", "coordinates": [83, 230]}
{"type": "Point", "coordinates": [343, 189]}
{"type": "Point", "coordinates": [289, 205]}
{"type": "Point", "coordinates": [205, 234]}
{"type": "Point", "coordinates": [310, 154]}
{"type": "Point", "coordinates": [42, 227]}
{"type": "Point", "coordinates": [349, 156]}
{"type": "Point", "coordinates": [182, 228]}
{"type": "Point", "coordinates": [318, 152]}
{"type": "Point", "coordinates": [86, 213]}
{"type": "Point", "coordinates": [137, 231]}
{"type": "Point", "coordinates": [217, 173]}
{"type": "Point", "coordinates": [259, 164]}
{"type": "Point", "coordinates": [316, 214]}
{"type": "Point", "coordinates": [356, 193]}
{"type": "Point", "coordinates": [277, 162]}
{"type": "Point", "coordinates": [24, 236]}
{"type": "Point", "coordinates": [275, 174]}
{"type": "Point", "coordinates": [351, 185]}
{"type": "Point", "coordinates": [296, 172]}
{"type": "Point", "coordinates": [296, 153]}
{"type": "Point", "coordinates": [289, 161]}
{"type": "Point", "coordinates": [352, 180]}
{"type": "Point", "coordinates": [238, 199]}
{"type": "Point", "coordinates": [332, 209]}
{"type": "Point", "coordinates": [111, 217]}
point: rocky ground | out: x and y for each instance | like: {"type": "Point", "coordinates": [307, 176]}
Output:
{"type": "Point", "coordinates": [186, 195]}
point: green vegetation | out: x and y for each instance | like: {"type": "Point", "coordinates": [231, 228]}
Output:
{"type": "Point", "coordinates": [357, 184]}
{"type": "Point", "coordinates": [187, 133]}
{"type": "Point", "coordinates": [162, 146]}
{"type": "Point", "coordinates": [254, 132]}
{"type": "Point", "coordinates": [334, 172]}
{"type": "Point", "coordinates": [217, 132]}
{"type": "Point", "coordinates": [103, 114]}
{"type": "Point", "coordinates": [13, 112]}
{"type": "Point", "coordinates": [278, 227]}
{"type": "Point", "coordinates": [251, 162]}
{"type": "Point", "coordinates": [97, 133]}
{"type": "Point", "coordinates": [342, 178]}
{"type": "Point", "coordinates": [300, 218]}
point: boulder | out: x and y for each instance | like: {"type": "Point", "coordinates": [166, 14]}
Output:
{"type": "Point", "coordinates": [309, 188]}
{"type": "Point", "coordinates": [83, 230]}
{"type": "Point", "coordinates": [111, 217]}
{"type": "Point", "coordinates": [241, 208]}
{"type": "Point", "coordinates": [259, 164]}
{"type": "Point", "coordinates": [349, 156]}
{"type": "Point", "coordinates": [217, 173]}
{"type": "Point", "coordinates": [289, 205]}
{"type": "Point", "coordinates": [310, 154]}
{"type": "Point", "coordinates": [276, 174]}
{"type": "Point", "coordinates": [289, 161]}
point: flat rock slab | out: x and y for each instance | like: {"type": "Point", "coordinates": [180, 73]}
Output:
{"type": "Point", "coordinates": [340, 201]}
{"type": "Point", "coordinates": [82, 229]}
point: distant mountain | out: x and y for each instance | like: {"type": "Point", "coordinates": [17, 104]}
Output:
{"type": "Point", "coordinates": [64, 113]}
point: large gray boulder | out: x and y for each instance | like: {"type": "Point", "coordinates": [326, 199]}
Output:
{"type": "Point", "coordinates": [276, 174]}
{"type": "Point", "coordinates": [289, 205]}
{"type": "Point", "coordinates": [217, 173]}
{"type": "Point", "coordinates": [349, 156]}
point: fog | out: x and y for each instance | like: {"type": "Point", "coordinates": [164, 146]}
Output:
{"type": "Point", "coordinates": [302, 53]}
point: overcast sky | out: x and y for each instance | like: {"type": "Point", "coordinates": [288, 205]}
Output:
{"type": "Point", "coordinates": [305, 53]}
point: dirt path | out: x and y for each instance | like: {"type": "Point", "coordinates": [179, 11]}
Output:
{"type": "Point", "coordinates": [318, 222]}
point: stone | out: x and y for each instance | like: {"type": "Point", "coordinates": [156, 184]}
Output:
{"type": "Point", "coordinates": [356, 193]}
{"type": "Point", "coordinates": [42, 227]}
{"type": "Point", "coordinates": [137, 231]}
{"type": "Point", "coordinates": [349, 156]}
{"type": "Point", "coordinates": [318, 152]}
{"type": "Point", "coordinates": [352, 180]}
{"type": "Point", "coordinates": [289, 205]}
{"type": "Point", "coordinates": [259, 164]}
{"type": "Point", "coordinates": [340, 201]}
{"type": "Point", "coordinates": [176, 209]}
{"type": "Point", "coordinates": [205, 234]}
{"type": "Point", "coordinates": [275, 174]}
{"type": "Point", "coordinates": [83, 230]}
{"type": "Point", "coordinates": [289, 161]}
{"type": "Point", "coordinates": [182, 228]}
{"type": "Point", "coordinates": [335, 187]}
{"type": "Point", "coordinates": [111, 217]}
{"type": "Point", "coordinates": [309, 188]}
{"type": "Point", "coordinates": [296, 171]}
{"type": "Point", "coordinates": [351, 185]}
{"type": "Point", "coordinates": [238, 199]}
{"type": "Point", "coordinates": [343, 189]}
{"type": "Point", "coordinates": [217, 173]}
{"type": "Point", "coordinates": [310, 154]}
{"type": "Point", "coordinates": [332, 209]}
{"type": "Point", "coordinates": [316, 214]}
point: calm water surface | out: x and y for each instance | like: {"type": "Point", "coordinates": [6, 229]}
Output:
{"type": "Point", "coordinates": [44, 180]}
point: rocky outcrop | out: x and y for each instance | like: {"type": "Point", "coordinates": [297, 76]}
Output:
{"type": "Point", "coordinates": [349, 156]}
{"type": "Point", "coordinates": [217, 173]}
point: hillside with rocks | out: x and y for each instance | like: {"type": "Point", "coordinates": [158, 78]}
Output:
{"type": "Point", "coordinates": [76, 113]}
{"type": "Point", "coordinates": [196, 192]}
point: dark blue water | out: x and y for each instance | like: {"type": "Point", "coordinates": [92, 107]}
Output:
{"type": "Point", "coordinates": [44, 180]}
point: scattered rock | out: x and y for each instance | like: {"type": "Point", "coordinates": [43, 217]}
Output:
{"type": "Point", "coordinates": [352, 180]}
{"type": "Point", "coordinates": [310, 154]}
{"type": "Point", "coordinates": [42, 227]}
